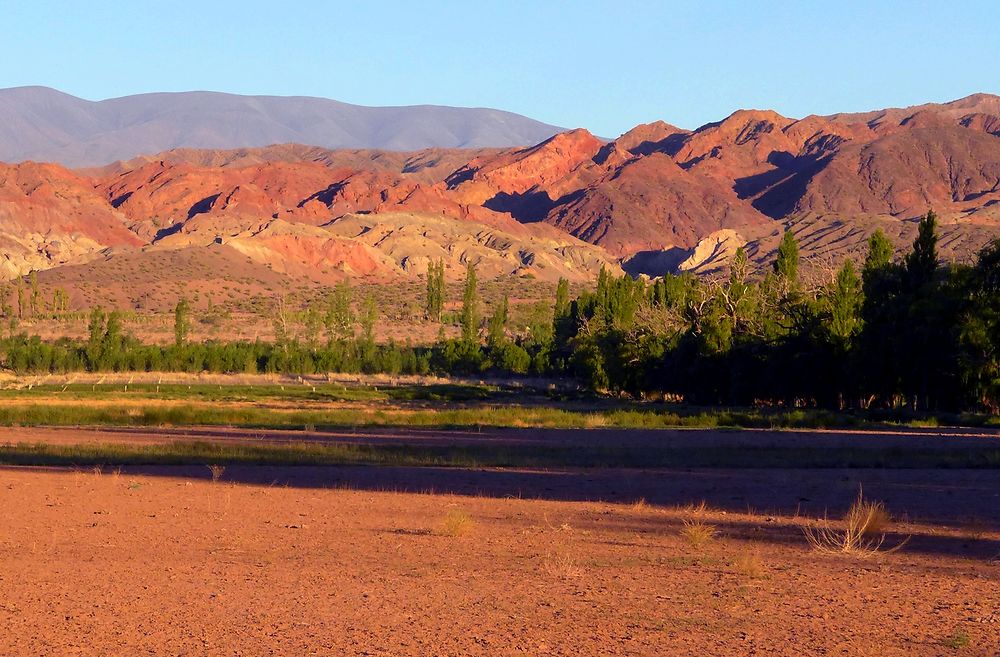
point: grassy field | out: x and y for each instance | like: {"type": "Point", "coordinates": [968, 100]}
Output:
{"type": "Point", "coordinates": [473, 456]}
{"type": "Point", "coordinates": [328, 406]}
{"type": "Point", "coordinates": [255, 393]}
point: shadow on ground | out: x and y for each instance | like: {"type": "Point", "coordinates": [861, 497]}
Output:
{"type": "Point", "coordinates": [951, 498]}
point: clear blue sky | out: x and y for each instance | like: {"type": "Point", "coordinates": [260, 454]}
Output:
{"type": "Point", "coordinates": [605, 66]}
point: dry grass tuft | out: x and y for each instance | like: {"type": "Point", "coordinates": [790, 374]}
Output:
{"type": "Point", "coordinates": [699, 509]}
{"type": "Point", "coordinates": [698, 533]}
{"type": "Point", "coordinates": [870, 518]}
{"type": "Point", "coordinates": [561, 527]}
{"type": "Point", "coordinates": [456, 523]}
{"type": "Point", "coordinates": [217, 471]}
{"type": "Point", "coordinates": [750, 564]}
{"type": "Point", "coordinates": [863, 535]}
{"type": "Point", "coordinates": [561, 566]}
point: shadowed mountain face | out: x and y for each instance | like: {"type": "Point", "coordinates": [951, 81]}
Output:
{"type": "Point", "coordinates": [42, 124]}
{"type": "Point", "coordinates": [658, 198]}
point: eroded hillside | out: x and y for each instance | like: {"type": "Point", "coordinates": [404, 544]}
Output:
{"type": "Point", "coordinates": [656, 199]}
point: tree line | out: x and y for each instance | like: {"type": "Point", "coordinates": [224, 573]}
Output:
{"type": "Point", "coordinates": [894, 333]}
{"type": "Point", "coordinates": [907, 333]}
{"type": "Point", "coordinates": [19, 301]}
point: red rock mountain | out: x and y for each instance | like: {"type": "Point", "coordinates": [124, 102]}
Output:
{"type": "Point", "coordinates": [657, 189]}
{"type": "Point", "coordinates": [49, 215]}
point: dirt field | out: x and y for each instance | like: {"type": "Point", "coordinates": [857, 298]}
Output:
{"type": "Point", "coordinates": [434, 561]}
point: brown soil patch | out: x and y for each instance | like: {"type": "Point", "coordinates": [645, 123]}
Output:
{"type": "Point", "coordinates": [336, 561]}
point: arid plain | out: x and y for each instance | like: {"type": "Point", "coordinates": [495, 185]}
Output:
{"type": "Point", "coordinates": [481, 560]}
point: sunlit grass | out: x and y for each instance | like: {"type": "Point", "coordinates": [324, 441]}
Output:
{"type": "Point", "coordinates": [455, 405]}
{"type": "Point", "coordinates": [863, 532]}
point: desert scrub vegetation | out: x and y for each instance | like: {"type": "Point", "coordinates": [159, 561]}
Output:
{"type": "Point", "coordinates": [698, 533]}
{"type": "Point", "coordinates": [956, 640]}
{"type": "Point", "coordinates": [863, 533]}
{"type": "Point", "coordinates": [456, 523]}
{"type": "Point", "coordinates": [695, 530]}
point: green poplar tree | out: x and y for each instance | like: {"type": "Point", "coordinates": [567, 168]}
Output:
{"type": "Point", "coordinates": [95, 341]}
{"type": "Point", "coordinates": [36, 294]}
{"type": "Point", "coordinates": [786, 265]}
{"type": "Point", "coordinates": [921, 262]}
{"type": "Point", "coordinates": [182, 322]}
{"type": "Point", "coordinates": [435, 290]}
{"type": "Point", "coordinates": [369, 316]}
{"type": "Point", "coordinates": [338, 320]}
{"type": "Point", "coordinates": [470, 306]}
{"type": "Point", "coordinates": [880, 252]}
{"type": "Point", "coordinates": [845, 304]}
{"type": "Point", "coordinates": [562, 299]}
{"type": "Point", "coordinates": [312, 322]}
{"type": "Point", "coordinates": [497, 325]}
{"type": "Point", "coordinates": [21, 296]}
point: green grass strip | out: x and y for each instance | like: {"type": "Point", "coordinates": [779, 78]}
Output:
{"type": "Point", "coordinates": [298, 454]}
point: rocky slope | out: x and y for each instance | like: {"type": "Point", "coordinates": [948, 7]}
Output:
{"type": "Point", "coordinates": [50, 216]}
{"type": "Point", "coordinates": [658, 198]}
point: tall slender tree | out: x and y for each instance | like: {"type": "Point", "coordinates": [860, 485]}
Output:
{"type": "Point", "coordinates": [5, 308]}
{"type": "Point", "coordinates": [21, 298]}
{"type": "Point", "coordinates": [470, 306]}
{"type": "Point", "coordinates": [95, 329]}
{"type": "Point", "coordinates": [182, 321]}
{"type": "Point", "coordinates": [921, 262]}
{"type": "Point", "coordinates": [434, 304]}
{"type": "Point", "coordinates": [338, 320]}
{"type": "Point", "coordinates": [280, 323]}
{"type": "Point", "coordinates": [497, 326]}
{"type": "Point", "coordinates": [845, 304]}
{"type": "Point", "coordinates": [562, 299]}
{"type": "Point", "coordinates": [312, 323]}
{"type": "Point", "coordinates": [786, 265]}
{"type": "Point", "coordinates": [880, 252]}
{"type": "Point", "coordinates": [36, 295]}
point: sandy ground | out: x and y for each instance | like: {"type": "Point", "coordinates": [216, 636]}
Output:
{"type": "Point", "coordinates": [351, 561]}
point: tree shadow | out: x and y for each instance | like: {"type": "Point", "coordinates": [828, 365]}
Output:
{"type": "Point", "coordinates": [761, 500]}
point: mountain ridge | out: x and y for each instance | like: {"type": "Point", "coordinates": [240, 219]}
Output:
{"type": "Point", "coordinates": [656, 199]}
{"type": "Point", "coordinates": [44, 124]}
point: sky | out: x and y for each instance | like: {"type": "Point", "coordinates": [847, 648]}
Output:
{"type": "Point", "coordinates": [603, 65]}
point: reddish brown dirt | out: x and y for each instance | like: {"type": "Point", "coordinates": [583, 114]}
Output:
{"type": "Point", "coordinates": [130, 564]}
